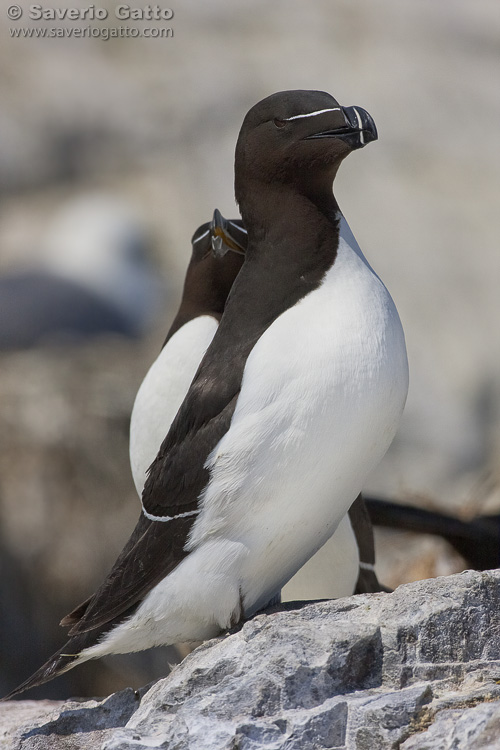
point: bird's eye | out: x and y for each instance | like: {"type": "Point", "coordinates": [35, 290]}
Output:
{"type": "Point", "coordinates": [279, 123]}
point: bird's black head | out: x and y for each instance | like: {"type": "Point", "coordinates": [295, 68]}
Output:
{"type": "Point", "coordinates": [298, 138]}
{"type": "Point", "coordinates": [210, 274]}
{"type": "Point", "coordinates": [201, 242]}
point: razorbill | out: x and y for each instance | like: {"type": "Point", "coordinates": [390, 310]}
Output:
{"type": "Point", "coordinates": [295, 401]}
{"type": "Point", "coordinates": [345, 563]}
{"type": "Point", "coordinates": [214, 265]}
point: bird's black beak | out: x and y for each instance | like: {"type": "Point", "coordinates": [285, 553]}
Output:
{"type": "Point", "coordinates": [224, 236]}
{"type": "Point", "coordinates": [358, 129]}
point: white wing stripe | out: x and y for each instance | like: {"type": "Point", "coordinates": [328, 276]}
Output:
{"type": "Point", "coordinates": [367, 566]}
{"type": "Point", "coordinates": [242, 229]}
{"type": "Point", "coordinates": [168, 518]}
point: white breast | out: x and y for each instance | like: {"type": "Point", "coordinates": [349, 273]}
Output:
{"type": "Point", "coordinates": [322, 395]}
{"type": "Point", "coordinates": [163, 390]}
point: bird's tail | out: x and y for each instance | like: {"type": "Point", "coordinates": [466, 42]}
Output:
{"type": "Point", "coordinates": [59, 663]}
{"type": "Point", "coordinates": [75, 651]}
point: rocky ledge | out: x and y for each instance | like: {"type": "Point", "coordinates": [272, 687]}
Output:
{"type": "Point", "coordinates": [419, 668]}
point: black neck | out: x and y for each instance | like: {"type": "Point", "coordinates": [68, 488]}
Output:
{"type": "Point", "coordinates": [292, 242]}
{"type": "Point", "coordinates": [206, 288]}
{"type": "Point", "coordinates": [270, 209]}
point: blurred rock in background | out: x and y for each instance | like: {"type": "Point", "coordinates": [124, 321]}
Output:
{"type": "Point", "coordinates": [92, 275]}
{"type": "Point", "coordinates": [153, 123]}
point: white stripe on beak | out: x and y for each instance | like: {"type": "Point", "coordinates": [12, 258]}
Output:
{"type": "Point", "coordinates": [238, 227]}
{"type": "Point", "coordinates": [313, 114]}
{"type": "Point", "coordinates": [361, 136]}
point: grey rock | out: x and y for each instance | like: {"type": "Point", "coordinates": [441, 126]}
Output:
{"type": "Point", "coordinates": [68, 725]}
{"type": "Point", "coordinates": [415, 669]}
{"type": "Point", "coordinates": [461, 729]}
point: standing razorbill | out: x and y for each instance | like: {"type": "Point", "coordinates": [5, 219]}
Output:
{"type": "Point", "coordinates": [209, 278]}
{"type": "Point", "coordinates": [295, 401]}
{"type": "Point", "coordinates": [345, 563]}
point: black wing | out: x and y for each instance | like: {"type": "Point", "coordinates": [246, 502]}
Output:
{"type": "Point", "coordinates": [176, 479]}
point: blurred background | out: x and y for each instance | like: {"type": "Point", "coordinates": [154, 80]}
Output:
{"type": "Point", "coordinates": [113, 152]}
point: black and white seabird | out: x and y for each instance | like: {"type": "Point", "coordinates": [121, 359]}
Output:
{"type": "Point", "coordinates": [346, 562]}
{"type": "Point", "coordinates": [215, 262]}
{"type": "Point", "coordinates": [295, 401]}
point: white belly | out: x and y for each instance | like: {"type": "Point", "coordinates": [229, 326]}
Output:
{"type": "Point", "coordinates": [163, 390]}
